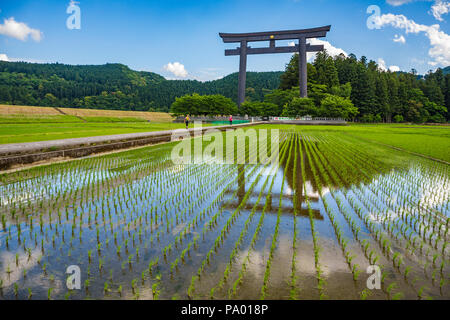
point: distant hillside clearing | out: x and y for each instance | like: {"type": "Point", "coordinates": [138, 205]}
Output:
{"type": "Point", "coordinates": [15, 113]}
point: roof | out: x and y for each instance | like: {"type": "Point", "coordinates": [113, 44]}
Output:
{"type": "Point", "coordinates": [275, 35]}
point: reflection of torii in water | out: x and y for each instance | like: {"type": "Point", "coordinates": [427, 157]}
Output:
{"type": "Point", "coordinates": [293, 185]}
{"type": "Point", "coordinates": [297, 186]}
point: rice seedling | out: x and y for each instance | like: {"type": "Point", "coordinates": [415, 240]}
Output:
{"type": "Point", "coordinates": [275, 234]}
{"type": "Point", "coordinates": [16, 289]}
{"type": "Point", "coordinates": [49, 293]}
{"type": "Point", "coordinates": [140, 216]}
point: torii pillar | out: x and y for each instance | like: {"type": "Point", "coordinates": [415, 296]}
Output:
{"type": "Point", "coordinates": [301, 48]}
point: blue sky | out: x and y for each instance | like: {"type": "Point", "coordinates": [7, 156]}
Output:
{"type": "Point", "coordinates": [154, 35]}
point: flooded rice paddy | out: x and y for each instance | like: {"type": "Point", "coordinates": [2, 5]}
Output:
{"type": "Point", "coordinates": [308, 227]}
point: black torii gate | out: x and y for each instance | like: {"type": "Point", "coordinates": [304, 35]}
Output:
{"type": "Point", "coordinates": [302, 48]}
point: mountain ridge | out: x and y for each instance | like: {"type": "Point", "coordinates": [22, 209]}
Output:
{"type": "Point", "coordinates": [113, 86]}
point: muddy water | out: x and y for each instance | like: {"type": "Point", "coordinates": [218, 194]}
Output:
{"type": "Point", "coordinates": [208, 230]}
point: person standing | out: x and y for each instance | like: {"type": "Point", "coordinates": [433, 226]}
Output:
{"type": "Point", "coordinates": [186, 120]}
{"type": "Point", "coordinates": [231, 119]}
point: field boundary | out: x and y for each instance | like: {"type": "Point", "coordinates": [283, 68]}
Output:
{"type": "Point", "coordinates": [29, 152]}
{"type": "Point", "coordinates": [65, 114]}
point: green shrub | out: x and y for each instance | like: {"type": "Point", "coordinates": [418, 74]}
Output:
{"type": "Point", "coordinates": [398, 118]}
{"type": "Point", "coordinates": [377, 118]}
{"type": "Point", "coordinates": [255, 108]}
{"type": "Point", "coordinates": [299, 107]}
{"type": "Point", "coordinates": [437, 118]}
{"type": "Point", "coordinates": [196, 104]}
{"type": "Point", "coordinates": [367, 118]}
{"type": "Point", "coordinates": [337, 107]}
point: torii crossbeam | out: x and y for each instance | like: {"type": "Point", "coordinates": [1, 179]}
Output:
{"type": "Point", "coordinates": [302, 48]}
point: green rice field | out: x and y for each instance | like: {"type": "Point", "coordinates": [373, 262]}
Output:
{"type": "Point", "coordinates": [139, 226]}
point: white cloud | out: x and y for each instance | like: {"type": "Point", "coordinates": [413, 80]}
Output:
{"type": "Point", "coordinates": [440, 8]}
{"type": "Point", "coordinates": [400, 39]}
{"type": "Point", "coordinates": [394, 68]}
{"type": "Point", "coordinates": [19, 30]}
{"type": "Point", "coordinates": [396, 3]}
{"type": "Point", "coordinates": [331, 50]}
{"type": "Point", "coordinates": [382, 65]}
{"type": "Point", "coordinates": [439, 40]}
{"type": "Point", "coordinates": [3, 57]}
{"type": "Point", "coordinates": [177, 69]}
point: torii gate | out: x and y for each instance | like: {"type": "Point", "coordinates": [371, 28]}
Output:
{"type": "Point", "coordinates": [302, 48]}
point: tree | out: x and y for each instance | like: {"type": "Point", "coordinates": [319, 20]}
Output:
{"type": "Point", "coordinates": [250, 94]}
{"type": "Point", "coordinates": [416, 113]}
{"type": "Point", "coordinates": [362, 90]}
{"type": "Point", "coordinates": [326, 70]}
{"type": "Point", "coordinates": [317, 92]}
{"type": "Point", "coordinates": [299, 107]}
{"type": "Point", "coordinates": [343, 90]}
{"type": "Point", "coordinates": [257, 108]}
{"type": "Point", "coordinates": [50, 100]}
{"type": "Point", "coordinates": [393, 87]}
{"type": "Point", "coordinates": [196, 104]}
{"type": "Point", "coordinates": [269, 109]}
{"type": "Point", "coordinates": [376, 93]}
{"type": "Point", "coordinates": [447, 94]}
{"type": "Point", "coordinates": [367, 118]}
{"type": "Point", "coordinates": [346, 68]}
{"type": "Point", "coordinates": [398, 118]}
{"type": "Point", "coordinates": [281, 97]}
{"type": "Point", "coordinates": [290, 77]}
{"type": "Point", "coordinates": [382, 97]}
{"type": "Point", "coordinates": [436, 112]}
{"type": "Point", "coordinates": [217, 104]}
{"type": "Point", "coordinates": [249, 108]}
{"type": "Point", "coordinates": [337, 107]}
{"type": "Point", "coordinates": [114, 86]}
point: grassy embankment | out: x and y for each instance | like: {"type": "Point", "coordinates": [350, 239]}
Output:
{"type": "Point", "coordinates": [28, 124]}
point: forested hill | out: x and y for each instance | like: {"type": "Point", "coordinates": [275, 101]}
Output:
{"type": "Point", "coordinates": [113, 86]}
{"type": "Point", "coordinates": [446, 70]}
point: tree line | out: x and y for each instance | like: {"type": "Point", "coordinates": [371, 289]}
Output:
{"type": "Point", "coordinates": [337, 85]}
{"type": "Point", "coordinates": [113, 86]}
{"type": "Point", "coordinates": [340, 86]}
